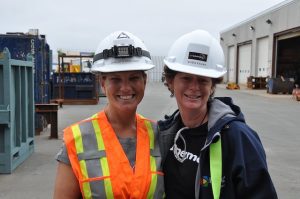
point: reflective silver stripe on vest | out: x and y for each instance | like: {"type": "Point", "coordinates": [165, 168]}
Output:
{"type": "Point", "coordinates": [155, 153]}
{"type": "Point", "coordinates": [92, 157]}
{"type": "Point", "coordinates": [85, 186]}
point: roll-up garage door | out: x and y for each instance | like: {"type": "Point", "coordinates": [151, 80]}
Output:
{"type": "Point", "coordinates": [244, 62]}
{"type": "Point", "coordinates": [263, 69]}
{"type": "Point", "coordinates": [231, 68]}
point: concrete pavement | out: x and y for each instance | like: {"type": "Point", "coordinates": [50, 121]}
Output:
{"type": "Point", "coordinates": [275, 117]}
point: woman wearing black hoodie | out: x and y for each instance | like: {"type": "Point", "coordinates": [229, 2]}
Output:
{"type": "Point", "coordinates": [208, 149]}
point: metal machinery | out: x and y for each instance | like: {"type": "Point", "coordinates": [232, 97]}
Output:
{"type": "Point", "coordinates": [73, 83]}
{"type": "Point", "coordinates": [16, 111]}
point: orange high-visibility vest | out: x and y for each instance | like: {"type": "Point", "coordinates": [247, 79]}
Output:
{"type": "Point", "coordinates": [101, 166]}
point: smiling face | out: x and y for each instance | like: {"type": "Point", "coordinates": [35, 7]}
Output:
{"type": "Point", "coordinates": [124, 90]}
{"type": "Point", "coordinates": [191, 91]}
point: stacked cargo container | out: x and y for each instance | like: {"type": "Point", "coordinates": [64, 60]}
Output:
{"type": "Point", "coordinates": [20, 45]}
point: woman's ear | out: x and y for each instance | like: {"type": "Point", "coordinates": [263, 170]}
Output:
{"type": "Point", "coordinates": [169, 82]}
{"type": "Point", "coordinates": [170, 85]}
{"type": "Point", "coordinates": [212, 90]}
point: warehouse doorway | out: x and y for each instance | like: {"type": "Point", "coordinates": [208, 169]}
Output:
{"type": "Point", "coordinates": [262, 67]}
{"type": "Point", "coordinates": [287, 56]}
{"type": "Point", "coordinates": [243, 69]}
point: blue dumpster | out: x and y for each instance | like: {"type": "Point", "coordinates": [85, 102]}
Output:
{"type": "Point", "coordinates": [280, 85]}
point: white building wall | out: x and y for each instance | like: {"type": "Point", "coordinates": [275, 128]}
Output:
{"type": "Point", "coordinates": [284, 17]}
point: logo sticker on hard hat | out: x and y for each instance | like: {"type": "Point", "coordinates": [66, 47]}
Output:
{"type": "Point", "coordinates": [123, 36]}
{"type": "Point", "coordinates": [196, 54]}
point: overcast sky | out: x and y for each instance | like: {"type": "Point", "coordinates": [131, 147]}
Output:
{"type": "Point", "coordinates": [81, 24]}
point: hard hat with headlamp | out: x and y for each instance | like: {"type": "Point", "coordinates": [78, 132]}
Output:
{"type": "Point", "coordinates": [121, 51]}
{"type": "Point", "coordinates": [197, 53]}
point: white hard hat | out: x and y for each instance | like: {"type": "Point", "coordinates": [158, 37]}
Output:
{"type": "Point", "coordinates": [197, 53]}
{"type": "Point", "coordinates": [121, 51]}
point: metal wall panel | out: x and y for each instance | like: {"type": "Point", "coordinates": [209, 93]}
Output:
{"type": "Point", "coordinates": [231, 65]}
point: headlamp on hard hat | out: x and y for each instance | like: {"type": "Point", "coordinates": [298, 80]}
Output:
{"type": "Point", "coordinates": [121, 52]}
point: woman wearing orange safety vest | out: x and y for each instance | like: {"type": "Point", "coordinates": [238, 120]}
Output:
{"type": "Point", "coordinates": [114, 153]}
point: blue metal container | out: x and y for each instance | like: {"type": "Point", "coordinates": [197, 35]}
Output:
{"type": "Point", "coordinates": [76, 86]}
{"type": "Point", "coordinates": [280, 85]}
{"type": "Point", "coordinates": [19, 45]}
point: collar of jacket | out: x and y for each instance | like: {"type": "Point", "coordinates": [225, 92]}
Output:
{"type": "Point", "coordinates": [222, 111]}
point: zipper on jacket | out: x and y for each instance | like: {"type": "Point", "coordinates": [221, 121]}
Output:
{"type": "Point", "coordinates": [217, 134]}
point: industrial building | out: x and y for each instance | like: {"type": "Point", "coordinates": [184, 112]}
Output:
{"type": "Point", "coordinates": [265, 45]}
